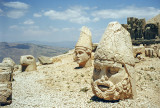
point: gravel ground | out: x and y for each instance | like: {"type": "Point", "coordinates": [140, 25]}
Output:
{"type": "Point", "coordinates": [60, 85]}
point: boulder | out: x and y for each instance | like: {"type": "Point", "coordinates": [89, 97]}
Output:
{"type": "Point", "coordinates": [8, 61]}
{"type": "Point", "coordinates": [44, 60]}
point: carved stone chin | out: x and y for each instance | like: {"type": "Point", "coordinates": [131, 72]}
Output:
{"type": "Point", "coordinates": [113, 75]}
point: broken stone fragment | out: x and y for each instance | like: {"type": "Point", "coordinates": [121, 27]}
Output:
{"type": "Point", "coordinates": [138, 50]}
{"type": "Point", "coordinates": [44, 60]}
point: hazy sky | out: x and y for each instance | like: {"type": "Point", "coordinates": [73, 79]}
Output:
{"type": "Point", "coordinates": [61, 20]}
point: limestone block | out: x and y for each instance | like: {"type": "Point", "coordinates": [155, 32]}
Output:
{"type": "Point", "coordinates": [138, 50]}
{"type": "Point", "coordinates": [28, 63]}
{"type": "Point", "coordinates": [5, 93]}
{"type": "Point", "coordinates": [44, 60]}
{"type": "Point", "coordinates": [5, 76]}
{"type": "Point", "coordinates": [114, 75]}
{"type": "Point", "coordinates": [83, 48]}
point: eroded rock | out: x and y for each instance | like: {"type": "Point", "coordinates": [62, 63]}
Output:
{"type": "Point", "coordinates": [5, 93]}
{"type": "Point", "coordinates": [8, 61]}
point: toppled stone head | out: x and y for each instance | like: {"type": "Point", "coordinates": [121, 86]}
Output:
{"type": "Point", "coordinates": [113, 76]}
{"type": "Point", "coordinates": [83, 48]}
{"type": "Point", "coordinates": [28, 63]}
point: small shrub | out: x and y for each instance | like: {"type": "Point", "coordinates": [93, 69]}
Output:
{"type": "Point", "coordinates": [85, 89]}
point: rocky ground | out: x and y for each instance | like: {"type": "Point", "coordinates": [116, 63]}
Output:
{"type": "Point", "coordinates": [62, 85]}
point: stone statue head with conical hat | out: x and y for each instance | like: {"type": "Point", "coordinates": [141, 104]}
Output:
{"type": "Point", "coordinates": [113, 75]}
{"type": "Point", "coordinates": [83, 48]}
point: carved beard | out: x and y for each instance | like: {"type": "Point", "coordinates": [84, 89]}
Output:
{"type": "Point", "coordinates": [108, 91]}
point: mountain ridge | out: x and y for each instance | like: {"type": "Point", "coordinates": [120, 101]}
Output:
{"type": "Point", "coordinates": [15, 50]}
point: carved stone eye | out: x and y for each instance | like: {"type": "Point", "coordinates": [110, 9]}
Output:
{"type": "Point", "coordinates": [97, 70]}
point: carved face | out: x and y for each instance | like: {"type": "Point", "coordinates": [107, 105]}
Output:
{"type": "Point", "coordinates": [81, 57]}
{"type": "Point", "coordinates": [110, 81]}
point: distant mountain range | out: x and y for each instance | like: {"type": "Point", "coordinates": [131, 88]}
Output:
{"type": "Point", "coordinates": [15, 50]}
{"type": "Point", "coordinates": [64, 44]}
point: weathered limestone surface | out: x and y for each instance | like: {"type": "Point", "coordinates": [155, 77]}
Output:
{"type": "Point", "coordinates": [138, 50]}
{"type": "Point", "coordinates": [8, 61]}
{"type": "Point", "coordinates": [28, 63]}
{"type": "Point", "coordinates": [94, 47]}
{"type": "Point", "coordinates": [6, 69]}
{"type": "Point", "coordinates": [44, 60]}
{"type": "Point", "coordinates": [149, 52]}
{"type": "Point", "coordinates": [83, 48]}
{"type": "Point", "coordinates": [114, 75]}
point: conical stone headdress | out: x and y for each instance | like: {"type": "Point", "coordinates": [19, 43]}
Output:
{"type": "Point", "coordinates": [115, 45]}
{"type": "Point", "coordinates": [84, 40]}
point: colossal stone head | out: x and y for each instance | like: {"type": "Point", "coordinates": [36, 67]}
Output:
{"type": "Point", "coordinates": [28, 63]}
{"type": "Point", "coordinates": [83, 48]}
{"type": "Point", "coordinates": [113, 75]}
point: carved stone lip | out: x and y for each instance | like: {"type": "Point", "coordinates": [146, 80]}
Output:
{"type": "Point", "coordinates": [106, 87]}
{"type": "Point", "coordinates": [103, 87]}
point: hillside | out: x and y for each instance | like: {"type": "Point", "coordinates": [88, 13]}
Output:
{"type": "Point", "coordinates": [15, 50]}
{"type": "Point", "coordinates": [61, 85]}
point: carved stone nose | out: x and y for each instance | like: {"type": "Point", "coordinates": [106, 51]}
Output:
{"type": "Point", "coordinates": [104, 78]}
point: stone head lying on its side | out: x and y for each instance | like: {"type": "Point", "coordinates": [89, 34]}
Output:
{"type": "Point", "coordinates": [113, 75]}
{"type": "Point", "coordinates": [28, 63]}
{"type": "Point", "coordinates": [83, 48]}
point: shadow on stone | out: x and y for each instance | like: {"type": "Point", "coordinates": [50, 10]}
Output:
{"type": "Point", "coordinates": [96, 99]}
{"type": "Point", "coordinates": [78, 67]}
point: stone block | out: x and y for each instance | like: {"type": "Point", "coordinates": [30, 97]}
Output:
{"type": "Point", "coordinates": [44, 60]}
{"type": "Point", "coordinates": [138, 50]}
{"type": "Point", "coordinates": [5, 93]}
{"type": "Point", "coordinates": [5, 76]}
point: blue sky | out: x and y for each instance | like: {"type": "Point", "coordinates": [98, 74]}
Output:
{"type": "Point", "coordinates": [61, 20]}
